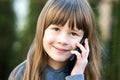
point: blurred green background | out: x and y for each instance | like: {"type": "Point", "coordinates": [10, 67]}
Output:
{"type": "Point", "coordinates": [18, 20]}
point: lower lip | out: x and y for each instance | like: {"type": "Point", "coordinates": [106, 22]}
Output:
{"type": "Point", "coordinates": [61, 51]}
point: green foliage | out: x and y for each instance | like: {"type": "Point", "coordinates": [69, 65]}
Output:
{"type": "Point", "coordinates": [7, 37]}
{"type": "Point", "coordinates": [26, 36]}
{"type": "Point", "coordinates": [112, 69]}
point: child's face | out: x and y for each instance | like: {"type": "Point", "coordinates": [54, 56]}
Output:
{"type": "Point", "coordinates": [58, 41]}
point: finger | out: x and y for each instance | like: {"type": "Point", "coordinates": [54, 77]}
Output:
{"type": "Point", "coordinates": [76, 53]}
{"type": "Point", "coordinates": [81, 47]}
{"type": "Point", "coordinates": [87, 47]}
{"type": "Point", "coordinates": [83, 50]}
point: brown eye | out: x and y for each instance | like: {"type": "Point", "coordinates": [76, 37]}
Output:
{"type": "Point", "coordinates": [56, 29]}
{"type": "Point", "coordinates": [74, 34]}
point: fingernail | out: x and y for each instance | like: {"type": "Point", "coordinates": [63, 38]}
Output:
{"type": "Point", "coordinates": [86, 40]}
{"type": "Point", "coordinates": [72, 51]}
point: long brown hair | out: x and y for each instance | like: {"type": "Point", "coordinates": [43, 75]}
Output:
{"type": "Point", "coordinates": [59, 12]}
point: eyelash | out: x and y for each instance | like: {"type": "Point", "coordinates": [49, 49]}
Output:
{"type": "Point", "coordinates": [56, 29]}
{"type": "Point", "coordinates": [74, 34]}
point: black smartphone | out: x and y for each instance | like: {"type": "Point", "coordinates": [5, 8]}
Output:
{"type": "Point", "coordinates": [78, 49]}
{"type": "Point", "coordinates": [81, 42]}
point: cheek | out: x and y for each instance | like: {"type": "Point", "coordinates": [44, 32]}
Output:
{"type": "Point", "coordinates": [73, 44]}
{"type": "Point", "coordinates": [48, 38]}
{"type": "Point", "coordinates": [76, 40]}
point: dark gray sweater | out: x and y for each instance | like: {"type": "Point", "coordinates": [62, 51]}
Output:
{"type": "Point", "coordinates": [50, 73]}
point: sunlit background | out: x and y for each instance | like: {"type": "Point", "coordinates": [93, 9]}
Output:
{"type": "Point", "coordinates": [18, 20]}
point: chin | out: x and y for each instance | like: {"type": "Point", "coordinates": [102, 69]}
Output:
{"type": "Point", "coordinates": [61, 60]}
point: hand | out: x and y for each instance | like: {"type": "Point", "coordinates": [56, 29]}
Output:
{"type": "Point", "coordinates": [82, 58]}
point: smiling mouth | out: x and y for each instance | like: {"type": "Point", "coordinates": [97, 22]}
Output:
{"type": "Point", "coordinates": [61, 49]}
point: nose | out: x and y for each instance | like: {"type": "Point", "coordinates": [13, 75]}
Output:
{"type": "Point", "coordinates": [63, 39]}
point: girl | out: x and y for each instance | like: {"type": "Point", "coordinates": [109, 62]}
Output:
{"type": "Point", "coordinates": [61, 25]}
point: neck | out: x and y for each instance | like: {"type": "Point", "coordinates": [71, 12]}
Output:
{"type": "Point", "coordinates": [56, 65]}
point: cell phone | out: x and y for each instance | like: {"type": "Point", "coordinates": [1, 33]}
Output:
{"type": "Point", "coordinates": [78, 49]}
{"type": "Point", "coordinates": [81, 42]}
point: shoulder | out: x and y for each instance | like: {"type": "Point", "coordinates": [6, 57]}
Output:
{"type": "Point", "coordinates": [17, 73]}
{"type": "Point", "coordinates": [75, 77]}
